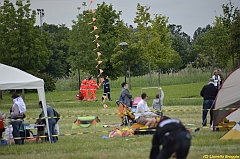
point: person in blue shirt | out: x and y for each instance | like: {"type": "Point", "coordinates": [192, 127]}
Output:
{"type": "Point", "coordinates": [51, 121]}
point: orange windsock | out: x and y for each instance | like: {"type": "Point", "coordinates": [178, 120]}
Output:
{"type": "Point", "coordinates": [99, 62]}
{"type": "Point", "coordinates": [96, 36]}
{"type": "Point", "coordinates": [91, 1]}
{"type": "Point", "coordinates": [93, 19]}
{"type": "Point", "coordinates": [101, 71]}
{"type": "Point", "coordinates": [105, 106]}
{"type": "Point", "coordinates": [97, 46]}
{"type": "Point", "coordinates": [99, 54]}
{"type": "Point", "coordinates": [94, 28]}
{"type": "Point", "coordinates": [101, 81]}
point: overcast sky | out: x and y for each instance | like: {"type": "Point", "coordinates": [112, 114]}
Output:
{"type": "Point", "coordinates": [191, 14]}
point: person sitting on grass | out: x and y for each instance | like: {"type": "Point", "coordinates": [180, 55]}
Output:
{"type": "Point", "coordinates": [143, 113]}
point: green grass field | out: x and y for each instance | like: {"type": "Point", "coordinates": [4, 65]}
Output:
{"type": "Point", "coordinates": [185, 98]}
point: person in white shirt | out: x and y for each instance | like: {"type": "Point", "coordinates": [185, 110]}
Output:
{"type": "Point", "coordinates": [143, 113]}
{"type": "Point", "coordinates": [217, 79]}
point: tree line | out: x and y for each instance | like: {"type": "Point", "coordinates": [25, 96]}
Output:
{"type": "Point", "coordinates": [154, 45]}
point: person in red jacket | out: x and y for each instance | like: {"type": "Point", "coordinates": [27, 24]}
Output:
{"type": "Point", "coordinates": [92, 88]}
{"type": "Point", "coordinates": [2, 129]}
{"type": "Point", "coordinates": [84, 88]}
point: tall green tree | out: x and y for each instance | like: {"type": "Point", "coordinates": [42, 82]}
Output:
{"type": "Point", "coordinates": [58, 44]}
{"type": "Point", "coordinates": [131, 54]}
{"type": "Point", "coordinates": [161, 51]}
{"type": "Point", "coordinates": [181, 42]}
{"type": "Point", "coordinates": [82, 57]}
{"type": "Point", "coordinates": [20, 42]}
{"type": "Point", "coordinates": [212, 47]}
{"type": "Point", "coordinates": [230, 14]}
{"type": "Point", "coordinates": [143, 21]}
{"type": "Point", "coordinates": [235, 36]}
{"type": "Point", "coordinates": [106, 21]}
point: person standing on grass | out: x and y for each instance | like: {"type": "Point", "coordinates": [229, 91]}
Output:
{"type": "Point", "coordinates": [209, 93]}
{"type": "Point", "coordinates": [106, 88]}
{"type": "Point", "coordinates": [2, 129]}
{"type": "Point", "coordinates": [84, 88]}
{"type": "Point", "coordinates": [221, 76]}
{"type": "Point", "coordinates": [17, 111]}
{"type": "Point", "coordinates": [158, 102]}
{"type": "Point", "coordinates": [92, 88]}
{"type": "Point", "coordinates": [173, 137]}
{"type": "Point", "coordinates": [217, 79]}
{"type": "Point", "coordinates": [51, 121]}
{"type": "Point", "coordinates": [143, 114]}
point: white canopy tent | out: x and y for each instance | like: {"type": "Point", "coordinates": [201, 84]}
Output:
{"type": "Point", "coordinates": [13, 78]}
{"type": "Point", "coordinates": [227, 103]}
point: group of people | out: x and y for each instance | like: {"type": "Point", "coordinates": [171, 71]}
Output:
{"type": "Point", "coordinates": [209, 93]}
{"type": "Point", "coordinates": [170, 133]}
{"type": "Point", "coordinates": [143, 114]}
{"type": "Point", "coordinates": [16, 128]}
{"type": "Point", "coordinates": [90, 85]}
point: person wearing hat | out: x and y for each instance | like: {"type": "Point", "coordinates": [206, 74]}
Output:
{"type": "Point", "coordinates": [174, 138]}
{"type": "Point", "coordinates": [84, 88]}
{"type": "Point", "coordinates": [17, 114]}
